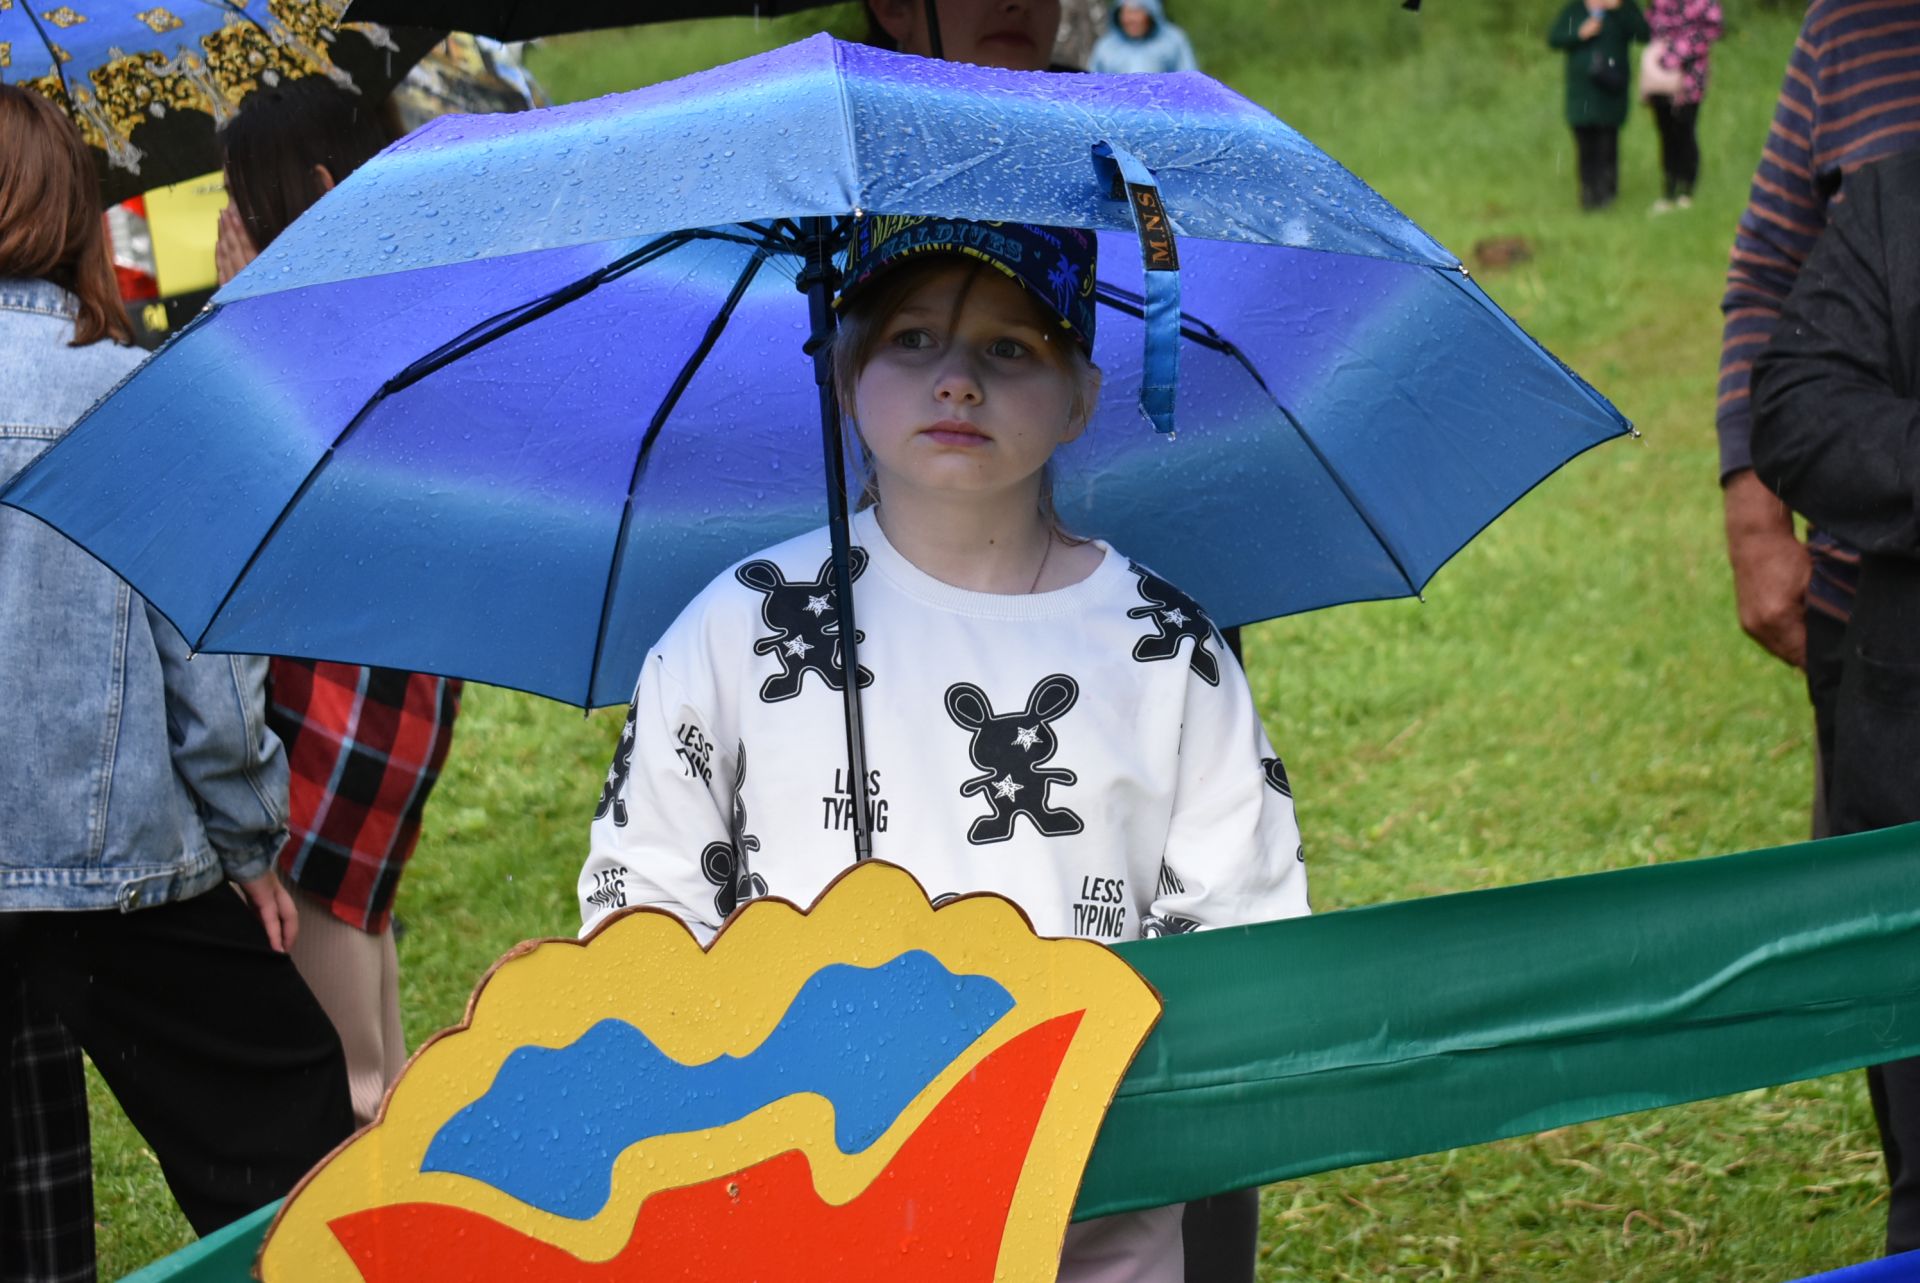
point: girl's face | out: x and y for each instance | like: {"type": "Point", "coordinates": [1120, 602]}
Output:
{"type": "Point", "coordinates": [966, 392]}
{"type": "Point", "coordinates": [1015, 34]}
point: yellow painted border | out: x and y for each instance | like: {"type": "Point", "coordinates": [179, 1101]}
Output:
{"type": "Point", "coordinates": [642, 966]}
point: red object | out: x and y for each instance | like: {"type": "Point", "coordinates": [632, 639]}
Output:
{"type": "Point", "coordinates": [135, 285]}
{"type": "Point", "coordinates": [132, 244]}
{"type": "Point", "coordinates": [365, 746]}
{"type": "Point", "coordinates": [935, 1214]}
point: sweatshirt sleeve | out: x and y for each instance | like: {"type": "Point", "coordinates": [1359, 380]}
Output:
{"type": "Point", "coordinates": [663, 818]}
{"type": "Point", "coordinates": [1233, 851]}
{"type": "Point", "coordinates": [1832, 433]}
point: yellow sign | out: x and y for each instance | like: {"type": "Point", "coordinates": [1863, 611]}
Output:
{"type": "Point", "coordinates": [183, 220]}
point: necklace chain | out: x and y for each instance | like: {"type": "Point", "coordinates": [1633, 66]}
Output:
{"type": "Point", "coordinates": [1048, 552]}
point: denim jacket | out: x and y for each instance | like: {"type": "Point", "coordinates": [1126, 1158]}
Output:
{"type": "Point", "coordinates": [131, 773]}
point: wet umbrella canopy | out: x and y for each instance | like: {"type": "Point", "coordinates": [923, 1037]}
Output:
{"type": "Point", "coordinates": [504, 401]}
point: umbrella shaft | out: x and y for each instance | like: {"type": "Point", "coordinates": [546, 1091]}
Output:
{"type": "Point", "coordinates": [818, 280]}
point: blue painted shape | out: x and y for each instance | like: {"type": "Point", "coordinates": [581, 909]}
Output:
{"type": "Point", "coordinates": [869, 1039]}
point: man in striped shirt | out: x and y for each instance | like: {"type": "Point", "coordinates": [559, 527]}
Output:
{"type": "Point", "coordinates": [1851, 96]}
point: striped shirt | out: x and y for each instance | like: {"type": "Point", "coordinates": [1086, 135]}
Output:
{"type": "Point", "coordinates": [1851, 96]}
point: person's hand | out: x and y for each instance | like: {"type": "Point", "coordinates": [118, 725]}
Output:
{"type": "Point", "coordinates": [274, 907]}
{"type": "Point", "coordinates": [1770, 568]}
{"type": "Point", "coordinates": [1589, 29]}
{"type": "Point", "coordinates": [233, 249]}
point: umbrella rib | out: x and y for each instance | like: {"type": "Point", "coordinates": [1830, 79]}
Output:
{"type": "Point", "coordinates": [1353, 500]}
{"type": "Point", "coordinates": [667, 403]}
{"type": "Point", "coordinates": [506, 321]}
{"type": "Point", "coordinates": [474, 338]}
{"type": "Point", "coordinates": [1206, 336]}
{"type": "Point", "coordinates": [66, 90]}
{"type": "Point", "coordinates": [1191, 326]}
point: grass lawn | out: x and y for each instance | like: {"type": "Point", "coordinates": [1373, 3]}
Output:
{"type": "Point", "coordinates": [1574, 695]}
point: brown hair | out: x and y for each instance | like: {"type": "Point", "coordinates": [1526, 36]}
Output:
{"type": "Point", "coordinates": [863, 327]}
{"type": "Point", "coordinates": [50, 223]}
{"type": "Point", "coordinates": [877, 36]}
{"type": "Point", "coordinates": [279, 135]}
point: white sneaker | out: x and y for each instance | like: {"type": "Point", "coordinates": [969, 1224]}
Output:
{"type": "Point", "coordinates": [1684, 202]}
{"type": "Point", "coordinates": [1661, 206]}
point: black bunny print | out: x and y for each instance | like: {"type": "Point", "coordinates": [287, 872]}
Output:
{"type": "Point", "coordinates": [720, 865]}
{"type": "Point", "coordinates": [1011, 750]}
{"type": "Point", "coordinates": [724, 864]}
{"type": "Point", "coordinates": [805, 624]}
{"type": "Point", "coordinates": [1155, 925]}
{"type": "Point", "coordinates": [1176, 617]}
{"type": "Point", "coordinates": [617, 772]}
{"type": "Point", "coordinates": [1276, 772]}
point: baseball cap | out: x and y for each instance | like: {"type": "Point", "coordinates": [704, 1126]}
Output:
{"type": "Point", "coordinates": [1054, 264]}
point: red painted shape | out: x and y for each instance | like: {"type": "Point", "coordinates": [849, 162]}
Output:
{"type": "Point", "coordinates": [934, 1214]}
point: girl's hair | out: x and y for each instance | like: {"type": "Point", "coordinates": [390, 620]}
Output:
{"type": "Point", "coordinates": [863, 328]}
{"type": "Point", "coordinates": [50, 223]}
{"type": "Point", "coordinates": [279, 135]}
{"type": "Point", "coordinates": [877, 35]}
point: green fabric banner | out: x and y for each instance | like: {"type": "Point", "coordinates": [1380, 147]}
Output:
{"type": "Point", "coordinates": [1346, 1038]}
{"type": "Point", "coordinates": [1410, 1028]}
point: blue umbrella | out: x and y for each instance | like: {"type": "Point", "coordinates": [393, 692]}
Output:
{"type": "Point", "coordinates": [513, 393]}
{"type": "Point", "coordinates": [146, 83]}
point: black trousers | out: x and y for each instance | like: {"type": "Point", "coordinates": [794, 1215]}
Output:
{"type": "Point", "coordinates": [1893, 1088]}
{"type": "Point", "coordinates": [1598, 147]}
{"type": "Point", "coordinates": [46, 1215]}
{"type": "Point", "coordinates": [1221, 1237]}
{"type": "Point", "coordinates": [211, 1042]}
{"type": "Point", "coordinates": [1679, 143]}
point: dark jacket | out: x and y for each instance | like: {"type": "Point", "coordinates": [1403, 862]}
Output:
{"type": "Point", "coordinates": [1589, 101]}
{"type": "Point", "coordinates": [1836, 433]}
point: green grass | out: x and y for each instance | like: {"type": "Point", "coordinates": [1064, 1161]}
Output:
{"type": "Point", "coordinates": [1574, 695]}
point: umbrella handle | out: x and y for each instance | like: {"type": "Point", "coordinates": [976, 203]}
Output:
{"type": "Point", "coordinates": [818, 279]}
{"type": "Point", "coordinates": [1129, 180]}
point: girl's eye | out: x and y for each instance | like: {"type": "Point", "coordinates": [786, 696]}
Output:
{"type": "Point", "coordinates": [1008, 348]}
{"type": "Point", "coordinates": [913, 340]}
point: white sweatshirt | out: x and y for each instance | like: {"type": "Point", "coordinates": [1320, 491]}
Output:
{"type": "Point", "coordinates": [1091, 753]}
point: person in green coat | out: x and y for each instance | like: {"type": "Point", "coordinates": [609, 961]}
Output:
{"type": "Point", "coordinates": [1597, 36]}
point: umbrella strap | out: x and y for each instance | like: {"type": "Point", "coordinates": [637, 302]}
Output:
{"type": "Point", "coordinates": [1135, 184]}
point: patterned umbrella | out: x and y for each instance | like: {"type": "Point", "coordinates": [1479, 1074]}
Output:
{"type": "Point", "coordinates": [530, 19]}
{"type": "Point", "coordinates": [148, 85]}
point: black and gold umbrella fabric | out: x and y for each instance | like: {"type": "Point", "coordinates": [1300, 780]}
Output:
{"type": "Point", "coordinates": [148, 83]}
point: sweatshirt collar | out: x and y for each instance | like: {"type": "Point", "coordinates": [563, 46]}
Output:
{"type": "Point", "coordinates": [887, 561]}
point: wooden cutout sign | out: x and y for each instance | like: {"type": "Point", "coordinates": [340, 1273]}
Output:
{"type": "Point", "coordinates": [873, 1089]}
